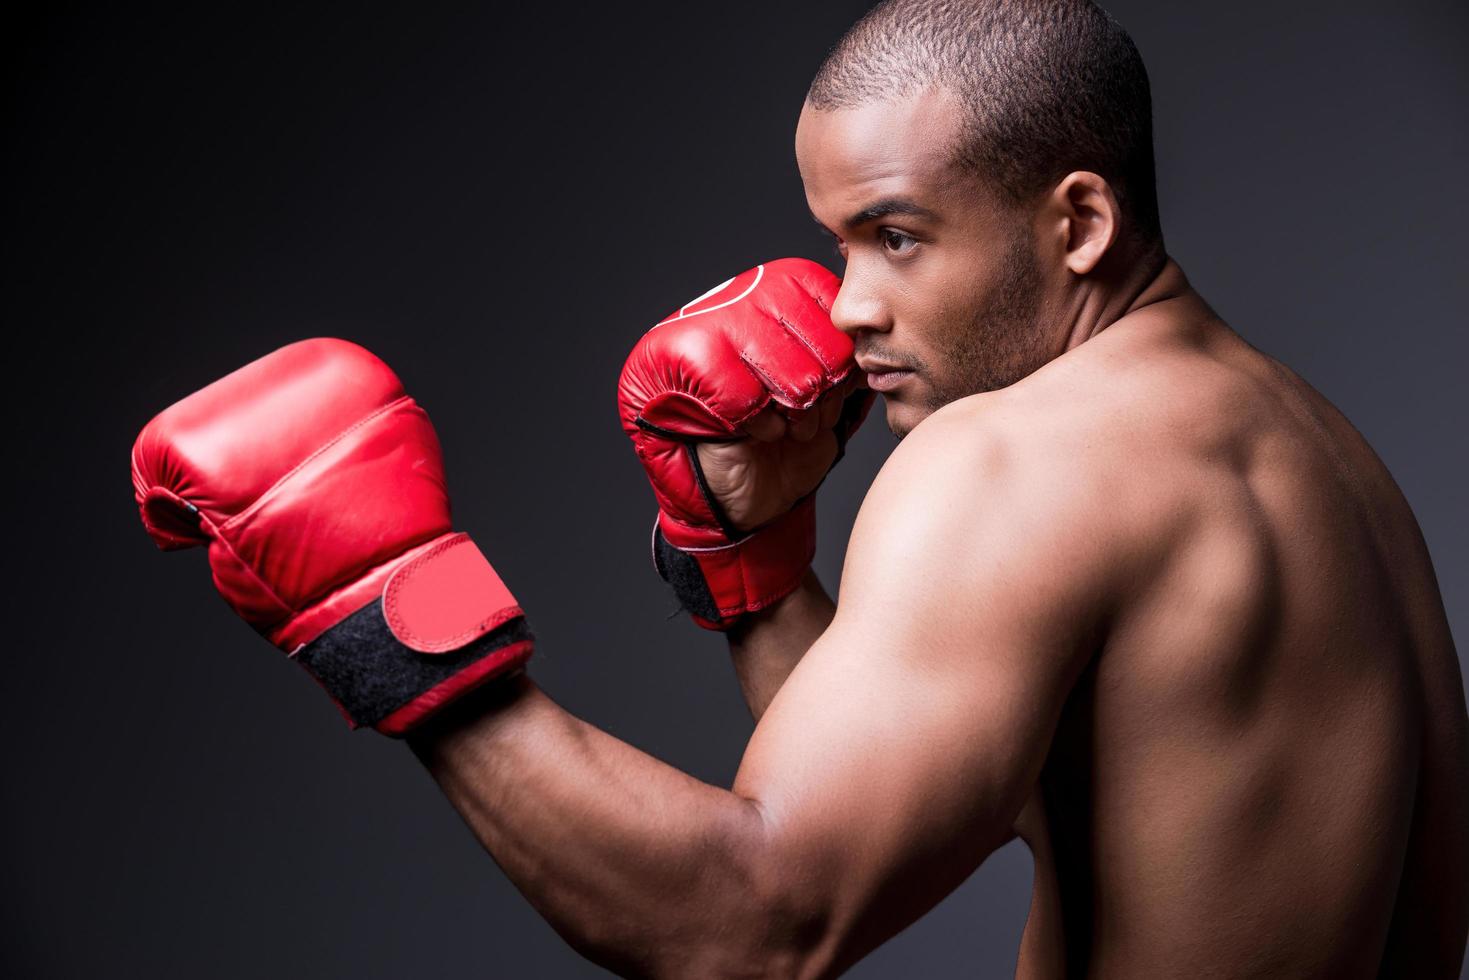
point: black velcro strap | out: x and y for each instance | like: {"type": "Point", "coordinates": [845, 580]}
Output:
{"type": "Point", "coordinates": [681, 570]}
{"type": "Point", "coordinates": [371, 674]}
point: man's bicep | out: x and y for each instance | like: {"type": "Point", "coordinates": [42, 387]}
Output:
{"type": "Point", "coordinates": [899, 751]}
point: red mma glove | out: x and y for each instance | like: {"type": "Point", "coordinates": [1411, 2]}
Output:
{"type": "Point", "coordinates": [762, 339]}
{"type": "Point", "coordinates": [318, 487]}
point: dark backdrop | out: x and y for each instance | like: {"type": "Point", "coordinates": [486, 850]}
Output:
{"type": "Point", "coordinates": [498, 205]}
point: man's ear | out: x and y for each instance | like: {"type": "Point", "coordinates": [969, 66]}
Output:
{"type": "Point", "coordinates": [1086, 215]}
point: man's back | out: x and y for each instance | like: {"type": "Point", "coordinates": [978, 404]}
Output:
{"type": "Point", "coordinates": [1262, 771]}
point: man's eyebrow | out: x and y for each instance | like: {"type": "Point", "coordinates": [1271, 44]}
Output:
{"type": "Point", "coordinates": [883, 208]}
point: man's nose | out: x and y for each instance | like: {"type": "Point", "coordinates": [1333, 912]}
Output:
{"type": "Point", "coordinates": [857, 307]}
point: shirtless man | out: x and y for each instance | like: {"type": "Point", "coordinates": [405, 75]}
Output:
{"type": "Point", "coordinates": [1127, 587]}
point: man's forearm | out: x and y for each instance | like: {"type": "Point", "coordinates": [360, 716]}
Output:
{"type": "Point", "coordinates": [640, 867]}
{"type": "Point", "coordinates": [766, 645]}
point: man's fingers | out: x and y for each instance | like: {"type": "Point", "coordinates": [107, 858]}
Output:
{"type": "Point", "coordinates": [771, 425]}
{"type": "Point", "coordinates": [805, 426]}
{"type": "Point", "coordinates": [831, 405]}
{"type": "Point", "coordinates": [768, 425]}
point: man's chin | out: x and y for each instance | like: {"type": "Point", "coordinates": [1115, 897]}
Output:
{"type": "Point", "coordinates": [902, 416]}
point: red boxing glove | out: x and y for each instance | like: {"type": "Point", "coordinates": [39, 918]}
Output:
{"type": "Point", "coordinates": [700, 375]}
{"type": "Point", "coordinates": [318, 487]}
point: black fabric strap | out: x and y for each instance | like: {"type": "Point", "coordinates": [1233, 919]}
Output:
{"type": "Point", "coordinates": [681, 571]}
{"type": "Point", "coordinates": [371, 674]}
{"type": "Point", "coordinates": [679, 568]}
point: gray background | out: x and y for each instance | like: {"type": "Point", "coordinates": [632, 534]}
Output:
{"type": "Point", "coordinates": [498, 208]}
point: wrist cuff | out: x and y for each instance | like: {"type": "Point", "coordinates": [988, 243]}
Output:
{"type": "Point", "coordinates": [444, 624]}
{"type": "Point", "coordinates": [717, 584]}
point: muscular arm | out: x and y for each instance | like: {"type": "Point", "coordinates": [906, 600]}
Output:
{"type": "Point", "coordinates": [639, 867]}
{"type": "Point", "coordinates": [888, 766]}
{"type": "Point", "coordinates": [766, 646]}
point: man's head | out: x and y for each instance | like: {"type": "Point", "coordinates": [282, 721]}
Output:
{"type": "Point", "coordinates": [977, 161]}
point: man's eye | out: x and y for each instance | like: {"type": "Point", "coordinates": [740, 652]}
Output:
{"type": "Point", "coordinates": [894, 241]}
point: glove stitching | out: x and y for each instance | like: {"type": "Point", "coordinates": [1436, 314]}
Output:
{"type": "Point", "coordinates": [826, 374]}
{"type": "Point", "coordinates": [218, 529]}
{"type": "Point", "coordinates": [768, 525]}
{"type": "Point", "coordinates": [365, 420]}
{"type": "Point", "coordinates": [704, 527]}
{"type": "Point", "coordinates": [769, 382]}
{"type": "Point", "coordinates": [462, 637]}
{"type": "Point", "coordinates": [806, 285]}
{"type": "Point", "coordinates": [356, 574]}
{"type": "Point", "coordinates": [642, 422]}
{"type": "Point", "coordinates": [396, 583]}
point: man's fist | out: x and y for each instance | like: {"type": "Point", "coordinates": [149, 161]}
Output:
{"type": "Point", "coordinates": [317, 485]}
{"type": "Point", "coordinates": [787, 455]}
{"type": "Point", "coordinates": [739, 404]}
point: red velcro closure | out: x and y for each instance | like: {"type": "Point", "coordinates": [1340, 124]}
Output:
{"type": "Point", "coordinates": [446, 597]}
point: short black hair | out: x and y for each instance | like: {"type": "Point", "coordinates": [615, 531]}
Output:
{"type": "Point", "coordinates": [1051, 86]}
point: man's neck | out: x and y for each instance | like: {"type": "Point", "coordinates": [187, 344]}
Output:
{"type": "Point", "coordinates": [1143, 285]}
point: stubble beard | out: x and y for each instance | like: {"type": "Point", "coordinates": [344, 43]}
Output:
{"type": "Point", "coordinates": [1004, 341]}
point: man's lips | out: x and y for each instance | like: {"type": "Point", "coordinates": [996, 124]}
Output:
{"type": "Point", "coordinates": [885, 376]}
{"type": "Point", "coordinates": [877, 367]}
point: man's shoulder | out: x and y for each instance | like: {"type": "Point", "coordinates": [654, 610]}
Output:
{"type": "Point", "coordinates": [1036, 431]}
{"type": "Point", "coordinates": [992, 468]}
{"type": "Point", "coordinates": [1132, 419]}
{"type": "Point", "coordinates": [968, 518]}
{"type": "Point", "coordinates": [1084, 468]}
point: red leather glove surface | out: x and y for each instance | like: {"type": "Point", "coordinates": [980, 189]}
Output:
{"type": "Point", "coordinates": [317, 485]}
{"type": "Point", "coordinates": [701, 374]}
